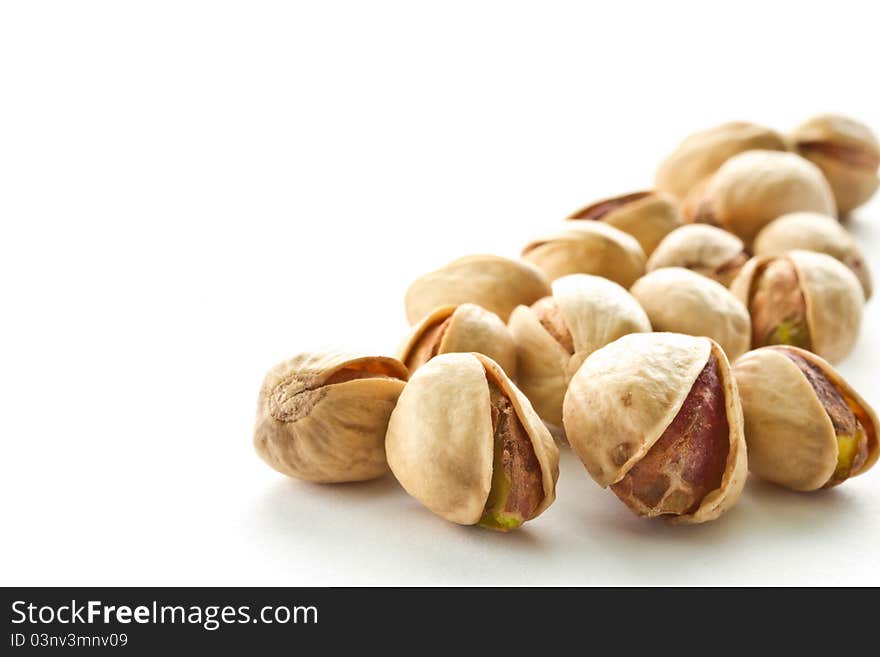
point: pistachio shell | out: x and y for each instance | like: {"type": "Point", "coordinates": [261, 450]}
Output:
{"type": "Point", "coordinates": [470, 328]}
{"type": "Point", "coordinates": [440, 436]}
{"type": "Point", "coordinates": [595, 311]}
{"type": "Point", "coordinates": [702, 153]}
{"type": "Point", "coordinates": [322, 417]}
{"type": "Point", "coordinates": [648, 216]}
{"type": "Point", "coordinates": [588, 247]}
{"type": "Point", "coordinates": [497, 284]}
{"type": "Point", "coordinates": [627, 393]}
{"type": "Point", "coordinates": [791, 439]}
{"type": "Point", "coordinates": [846, 151]}
{"type": "Point", "coordinates": [681, 301]}
{"type": "Point", "coordinates": [706, 250]}
{"type": "Point", "coordinates": [753, 188]}
{"type": "Point", "coordinates": [809, 231]}
{"type": "Point", "coordinates": [833, 297]}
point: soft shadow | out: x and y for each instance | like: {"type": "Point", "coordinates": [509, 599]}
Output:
{"type": "Point", "coordinates": [295, 515]}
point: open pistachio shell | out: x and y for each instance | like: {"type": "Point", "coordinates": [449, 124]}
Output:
{"type": "Point", "coordinates": [702, 153]}
{"type": "Point", "coordinates": [591, 312]}
{"type": "Point", "coordinates": [819, 306]}
{"type": "Point", "coordinates": [630, 396]}
{"type": "Point", "coordinates": [791, 437]}
{"type": "Point", "coordinates": [706, 250]}
{"type": "Point", "coordinates": [846, 151]}
{"type": "Point", "coordinates": [497, 284]}
{"type": "Point", "coordinates": [809, 231]}
{"type": "Point", "coordinates": [463, 328]}
{"type": "Point", "coordinates": [753, 188]}
{"type": "Point", "coordinates": [322, 417]}
{"type": "Point", "coordinates": [648, 216]}
{"type": "Point", "coordinates": [588, 247]}
{"type": "Point", "coordinates": [441, 441]}
{"type": "Point", "coordinates": [681, 301]}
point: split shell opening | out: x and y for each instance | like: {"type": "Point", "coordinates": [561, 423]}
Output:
{"type": "Point", "coordinates": [657, 417]}
{"type": "Point", "coordinates": [322, 417]}
{"type": "Point", "coordinates": [805, 426]}
{"type": "Point", "coordinates": [466, 443]}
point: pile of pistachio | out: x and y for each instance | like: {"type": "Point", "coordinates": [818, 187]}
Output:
{"type": "Point", "coordinates": [674, 338]}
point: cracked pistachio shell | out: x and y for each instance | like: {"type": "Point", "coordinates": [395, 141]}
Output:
{"type": "Point", "coordinates": [648, 216]}
{"type": "Point", "coordinates": [790, 437]}
{"type": "Point", "coordinates": [497, 284]}
{"type": "Point", "coordinates": [704, 249]}
{"type": "Point", "coordinates": [440, 442]}
{"type": "Point", "coordinates": [681, 301]}
{"type": "Point", "coordinates": [702, 153]}
{"type": "Point", "coordinates": [588, 247]}
{"type": "Point", "coordinates": [322, 416]}
{"type": "Point", "coordinates": [832, 295]}
{"type": "Point", "coordinates": [846, 151]}
{"type": "Point", "coordinates": [753, 188]}
{"type": "Point", "coordinates": [468, 328]}
{"type": "Point", "coordinates": [627, 393]}
{"type": "Point", "coordinates": [595, 311]}
{"type": "Point", "coordinates": [809, 231]}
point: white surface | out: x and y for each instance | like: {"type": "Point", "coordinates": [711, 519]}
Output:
{"type": "Point", "coordinates": [190, 192]}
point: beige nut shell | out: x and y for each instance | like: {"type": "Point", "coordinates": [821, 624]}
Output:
{"type": "Point", "coordinates": [791, 439]}
{"type": "Point", "coordinates": [648, 216]}
{"type": "Point", "coordinates": [809, 231]}
{"type": "Point", "coordinates": [588, 247]}
{"type": "Point", "coordinates": [833, 297]}
{"type": "Point", "coordinates": [753, 188]}
{"type": "Point", "coordinates": [699, 247]}
{"type": "Point", "coordinates": [471, 328]}
{"type": "Point", "coordinates": [852, 185]}
{"type": "Point", "coordinates": [596, 311]}
{"type": "Point", "coordinates": [497, 284]}
{"type": "Point", "coordinates": [440, 439]}
{"type": "Point", "coordinates": [326, 433]}
{"type": "Point", "coordinates": [702, 153]}
{"type": "Point", "coordinates": [627, 393]}
{"type": "Point", "coordinates": [682, 301]}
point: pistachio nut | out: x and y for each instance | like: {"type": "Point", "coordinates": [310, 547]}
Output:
{"type": "Point", "coordinates": [497, 284]}
{"type": "Point", "coordinates": [809, 231]}
{"type": "Point", "coordinates": [556, 334]}
{"type": "Point", "coordinates": [753, 188]}
{"type": "Point", "coordinates": [846, 151]}
{"type": "Point", "coordinates": [681, 301]}
{"type": "Point", "coordinates": [648, 216]}
{"type": "Point", "coordinates": [588, 247]}
{"type": "Point", "coordinates": [706, 250]}
{"type": "Point", "coordinates": [805, 426]}
{"type": "Point", "coordinates": [322, 416]}
{"type": "Point", "coordinates": [463, 328]}
{"type": "Point", "coordinates": [702, 153]}
{"type": "Point", "coordinates": [804, 299]}
{"type": "Point", "coordinates": [657, 417]}
{"type": "Point", "coordinates": [465, 442]}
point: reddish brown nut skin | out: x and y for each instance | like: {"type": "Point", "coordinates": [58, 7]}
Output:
{"type": "Point", "coordinates": [688, 460]}
{"type": "Point", "coordinates": [725, 273]}
{"type": "Point", "coordinates": [851, 155]}
{"type": "Point", "coordinates": [548, 313]}
{"type": "Point", "coordinates": [596, 211]}
{"type": "Point", "coordinates": [842, 417]}
{"type": "Point", "coordinates": [517, 482]}
{"type": "Point", "coordinates": [778, 307]}
{"type": "Point", "coordinates": [427, 346]}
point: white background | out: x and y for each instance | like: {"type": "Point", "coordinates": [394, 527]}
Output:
{"type": "Point", "coordinates": [190, 192]}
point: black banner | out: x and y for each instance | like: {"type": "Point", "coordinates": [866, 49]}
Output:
{"type": "Point", "coordinates": [176, 620]}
